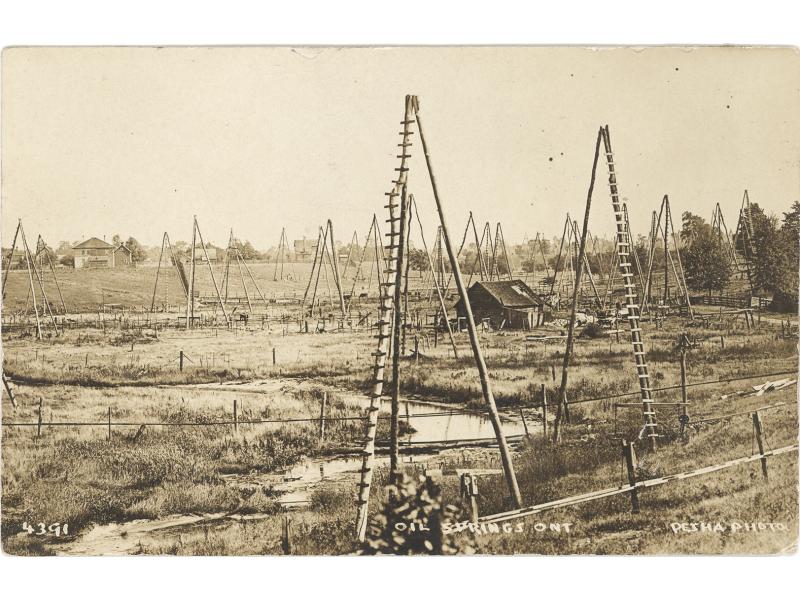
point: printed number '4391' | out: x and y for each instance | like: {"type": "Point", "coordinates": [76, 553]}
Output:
{"type": "Point", "coordinates": [55, 529]}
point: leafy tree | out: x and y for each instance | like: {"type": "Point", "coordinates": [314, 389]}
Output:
{"type": "Point", "coordinates": [469, 262]}
{"type": "Point", "coordinates": [248, 251]}
{"type": "Point", "coordinates": [529, 265]}
{"type": "Point", "coordinates": [775, 264]}
{"type": "Point", "coordinates": [706, 262]}
{"type": "Point", "coordinates": [770, 262]}
{"type": "Point", "coordinates": [181, 250]}
{"type": "Point", "coordinates": [692, 226]}
{"type": "Point", "coordinates": [787, 252]}
{"type": "Point", "coordinates": [138, 252]}
{"type": "Point", "coordinates": [418, 260]}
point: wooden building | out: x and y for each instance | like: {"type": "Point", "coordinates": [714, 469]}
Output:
{"type": "Point", "coordinates": [123, 256]}
{"type": "Point", "coordinates": [304, 249]}
{"type": "Point", "coordinates": [94, 253]}
{"type": "Point", "coordinates": [214, 255]}
{"type": "Point", "coordinates": [506, 304]}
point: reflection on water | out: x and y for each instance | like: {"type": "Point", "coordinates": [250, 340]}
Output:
{"type": "Point", "coordinates": [446, 426]}
{"type": "Point", "coordinates": [294, 487]}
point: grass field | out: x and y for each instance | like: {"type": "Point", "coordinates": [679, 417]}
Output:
{"type": "Point", "coordinates": [84, 290]}
{"type": "Point", "coordinates": [76, 475]}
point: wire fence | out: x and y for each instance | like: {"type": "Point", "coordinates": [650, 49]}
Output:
{"type": "Point", "coordinates": [434, 414]}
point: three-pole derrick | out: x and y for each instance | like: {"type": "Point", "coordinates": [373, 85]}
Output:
{"type": "Point", "coordinates": [190, 296]}
{"type": "Point", "coordinates": [438, 283]}
{"type": "Point", "coordinates": [538, 244]}
{"type": "Point", "coordinates": [282, 256]}
{"type": "Point", "coordinates": [325, 254]}
{"type": "Point", "coordinates": [43, 253]}
{"type": "Point", "coordinates": [234, 254]}
{"type": "Point", "coordinates": [33, 275]}
{"type": "Point", "coordinates": [181, 272]}
{"type": "Point", "coordinates": [498, 248]}
{"type": "Point", "coordinates": [720, 229]}
{"type": "Point", "coordinates": [624, 250]}
{"type": "Point", "coordinates": [373, 240]}
{"type": "Point", "coordinates": [389, 321]}
{"type": "Point", "coordinates": [569, 249]}
{"type": "Point", "coordinates": [662, 232]}
{"type": "Point", "coordinates": [745, 239]}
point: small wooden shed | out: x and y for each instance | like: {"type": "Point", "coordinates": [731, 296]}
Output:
{"type": "Point", "coordinates": [506, 304]}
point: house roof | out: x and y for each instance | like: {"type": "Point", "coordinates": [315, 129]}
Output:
{"type": "Point", "coordinates": [93, 244]}
{"type": "Point", "coordinates": [510, 293]}
{"type": "Point", "coordinates": [123, 246]}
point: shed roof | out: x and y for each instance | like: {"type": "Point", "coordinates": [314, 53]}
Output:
{"type": "Point", "coordinates": [512, 293]}
{"type": "Point", "coordinates": [93, 244]}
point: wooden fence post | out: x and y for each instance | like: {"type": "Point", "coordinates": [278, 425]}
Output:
{"type": "Point", "coordinates": [544, 411]}
{"type": "Point", "coordinates": [109, 423]}
{"type": "Point", "coordinates": [524, 422]}
{"type": "Point", "coordinates": [630, 464]}
{"type": "Point", "coordinates": [180, 360]}
{"type": "Point", "coordinates": [274, 357]}
{"type": "Point", "coordinates": [469, 490]}
{"type": "Point", "coordinates": [322, 416]}
{"type": "Point", "coordinates": [722, 341]}
{"type": "Point", "coordinates": [39, 420]}
{"type": "Point", "coordinates": [286, 532]}
{"type": "Point", "coordinates": [235, 416]}
{"type": "Point", "coordinates": [760, 441]}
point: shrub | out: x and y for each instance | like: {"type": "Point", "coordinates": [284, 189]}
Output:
{"type": "Point", "coordinates": [410, 521]}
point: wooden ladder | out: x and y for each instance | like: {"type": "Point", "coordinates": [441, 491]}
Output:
{"type": "Point", "coordinates": [624, 252]}
{"type": "Point", "coordinates": [384, 322]}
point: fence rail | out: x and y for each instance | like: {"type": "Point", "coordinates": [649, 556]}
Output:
{"type": "Point", "coordinates": [628, 488]}
{"type": "Point", "coordinates": [733, 301]}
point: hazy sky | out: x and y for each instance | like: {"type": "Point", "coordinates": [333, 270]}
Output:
{"type": "Point", "coordinates": [98, 141]}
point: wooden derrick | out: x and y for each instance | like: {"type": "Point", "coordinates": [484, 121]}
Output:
{"type": "Point", "coordinates": [190, 300]}
{"type": "Point", "coordinates": [33, 275]}
{"type": "Point", "coordinates": [282, 256]}
{"type": "Point", "coordinates": [388, 304]}
{"type": "Point", "coordinates": [745, 240]}
{"type": "Point", "coordinates": [624, 251]}
{"type": "Point", "coordinates": [663, 233]}
{"type": "Point", "coordinates": [42, 255]}
{"type": "Point", "coordinates": [166, 245]}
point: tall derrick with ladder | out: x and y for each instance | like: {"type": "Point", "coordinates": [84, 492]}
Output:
{"type": "Point", "coordinates": [624, 251]}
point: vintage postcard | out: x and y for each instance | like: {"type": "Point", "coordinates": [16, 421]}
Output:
{"type": "Point", "coordinates": [400, 300]}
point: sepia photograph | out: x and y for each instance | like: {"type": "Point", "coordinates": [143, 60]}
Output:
{"type": "Point", "coordinates": [400, 300]}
